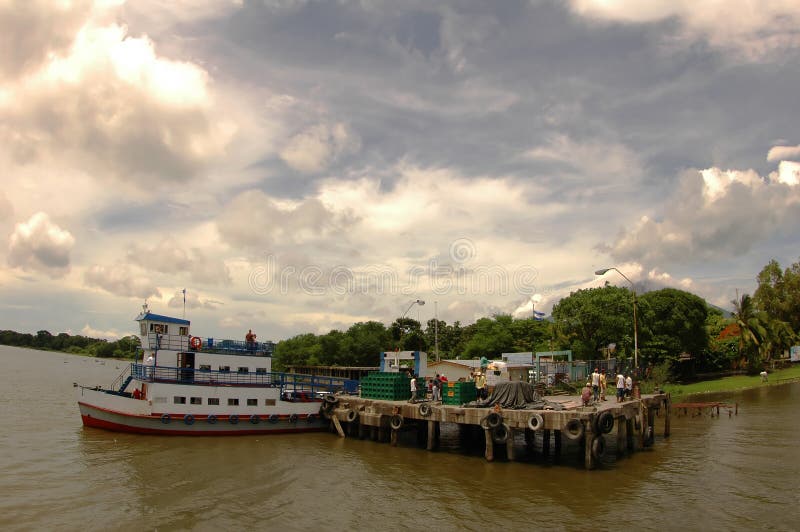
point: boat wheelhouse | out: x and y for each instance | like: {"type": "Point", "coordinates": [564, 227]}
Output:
{"type": "Point", "coordinates": [188, 385]}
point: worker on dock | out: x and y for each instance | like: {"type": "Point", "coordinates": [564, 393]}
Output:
{"type": "Point", "coordinates": [480, 385]}
{"type": "Point", "coordinates": [596, 384]}
{"type": "Point", "coordinates": [413, 389]}
{"type": "Point", "coordinates": [620, 387]}
{"type": "Point", "coordinates": [628, 385]}
{"type": "Point", "coordinates": [603, 385]}
{"type": "Point", "coordinates": [586, 393]}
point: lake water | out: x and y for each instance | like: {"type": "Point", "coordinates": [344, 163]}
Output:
{"type": "Point", "coordinates": [737, 473]}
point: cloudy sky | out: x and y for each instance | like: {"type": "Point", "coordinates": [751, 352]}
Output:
{"type": "Point", "coordinates": [299, 166]}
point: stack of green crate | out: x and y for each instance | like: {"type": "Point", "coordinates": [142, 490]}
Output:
{"type": "Point", "coordinates": [386, 386]}
{"type": "Point", "coordinates": [458, 393]}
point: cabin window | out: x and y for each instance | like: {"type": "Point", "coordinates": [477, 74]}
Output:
{"type": "Point", "coordinates": [143, 328]}
{"type": "Point", "coordinates": [243, 369]}
{"type": "Point", "coordinates": [213, 401]}
{"type": "Point", "coordinates": [224, 369]}
{"type": "Point", "coordinates": [160, 400]}
{"type": "Point", "coordinates": [233, 402]}
{"type": "Point", "coordinates": [196, 400]}
{"type": "Point", "coordinates": [178, 400]}
{"type": "Point", "coordinates": [205, 367]}
{"type": "Point", "coordinates": [183, 331]}
{"type": "Point", "coordinates": [261, 371]}
{"type": "Point", "coordinates": [269, 402]}
{"type": "Point", "coordinates": [252, 402]}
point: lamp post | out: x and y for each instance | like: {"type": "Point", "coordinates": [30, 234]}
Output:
{"type": "Point", "coordinates": [635, 323]}
{"type": "Point", "coordinates": [415, 302]}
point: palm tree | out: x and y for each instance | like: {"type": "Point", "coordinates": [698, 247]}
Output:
{"type": "Point", "coordinates": [752, 329]}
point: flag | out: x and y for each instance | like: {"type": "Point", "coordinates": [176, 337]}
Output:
{"type": "Point", "coordinates": [184, 297]}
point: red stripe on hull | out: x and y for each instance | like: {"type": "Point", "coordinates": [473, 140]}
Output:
{"type": "Point", "coordinates": [89, 421]}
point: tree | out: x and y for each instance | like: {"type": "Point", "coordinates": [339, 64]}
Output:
{"type": "Point", "coordinates": [752, 330]}
{"type": "Point", "coordinates": [673, 322]}
{"type": "Point", "coordinates": [591, 319]}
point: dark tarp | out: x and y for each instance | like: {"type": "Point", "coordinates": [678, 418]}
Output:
{"type": "Point", "coordinates": [513, 394]}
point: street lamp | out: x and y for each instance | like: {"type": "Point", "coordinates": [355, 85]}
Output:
{"type": "Point", "coordinates": [635, 323]}
{"type": "Point", "coordinates": [415, 302]}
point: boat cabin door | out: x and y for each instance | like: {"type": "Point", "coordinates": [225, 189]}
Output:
{"type": "Point", "coordinates": [186, 365]}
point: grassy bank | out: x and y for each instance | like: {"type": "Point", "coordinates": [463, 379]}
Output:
{"type": "Point", "coordinates": [730, 384]}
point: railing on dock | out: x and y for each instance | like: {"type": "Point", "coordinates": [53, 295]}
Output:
{"type": "Point", "coordinates": [287, 382]}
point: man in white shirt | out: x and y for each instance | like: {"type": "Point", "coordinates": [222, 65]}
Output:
{"type": "Point", "coordinates": [596, 384]}
{"type": "Point", "coordinates": [620, 387]}
{"type": "Point", "coordinates": [628, 386]}
{"type": "Point", "coordinates": [413, 388]}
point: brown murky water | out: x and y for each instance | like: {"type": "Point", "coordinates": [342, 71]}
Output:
{"type": "Point", "coordinates": [740, 473]}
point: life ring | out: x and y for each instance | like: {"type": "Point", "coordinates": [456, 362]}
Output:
{"type": "Point", "coordinates": [254, 419]}
{"type": "Point", "coordinates": [165, 419]}
{"type": "Point", "coordinates": [311, 418]}
{"type": "Point", "coordinates": [293, 418]}
{"type": "Point", "coordinates": [396, 422]}
{"type": "Point", "coordinates": [212, 419]}
{"type": "Point", "coordinates": [605, 422]}
{"type": "Point", "coordinates": [535, 422]}
{"type": "Point", "coordinates": [352, 415]}
{"type": "Point", "coordinates": [273, 418]}
{"type": "Point", "coordinates": [425, 409]}
{"type": "Point", "coordinates": [196, 343]}
{"type": "Point", "coordinates": [501, 433]}
{"type": "Point", "coordinates": [188, 419]}
{"type": "Point", "coordinates": [598, 446]}
{"type": "Point", "coordinates": [573, 429]}
{"type": "Point", "coordinates": [493, 420]}
{"type": "Point", "coordinates": [331, 399]}
{"type": "Point", "coordinates": [233, 419]}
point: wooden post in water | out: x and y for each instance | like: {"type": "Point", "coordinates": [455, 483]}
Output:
{"type": "Point", "coordinates": [588, 457]}
{"type": "Point", "coordinates": [432, 435]}
{"type": "Point", "coordinates": [337, 425]}
{"type": "Point", "coordinates": [621, 435]}
{"type": "Point", "coordinates": [546, 442]}
{"type": "Point", "coordinates": [510, 444]}
{"type": "Point", "coordinates": [668, 408]}
{"type": "Point", "coordinates": [557, 438]}
{"type": "Point", "coordinates": [487, 434]}
{"type": "Point", "coordinates": [393, 438]}
{"type": "Point", "coordinates": [629, 434]}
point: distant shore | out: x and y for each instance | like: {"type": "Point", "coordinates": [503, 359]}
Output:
{"type": "Point", "coordinates": [733, 384]}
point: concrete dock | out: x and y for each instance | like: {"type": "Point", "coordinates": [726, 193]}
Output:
{"type": "Point", "coordinates": [563, 417]}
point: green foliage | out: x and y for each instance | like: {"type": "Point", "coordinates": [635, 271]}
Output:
{"type": "Point", "coordinates": [123, 348]}
{"type": "Point", "coordinates": [587, 321]}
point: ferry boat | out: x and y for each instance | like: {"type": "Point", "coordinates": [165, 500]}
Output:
{"type": "Point", "coordinates": [188, 385]}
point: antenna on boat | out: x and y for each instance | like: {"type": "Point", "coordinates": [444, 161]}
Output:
{"type": "Point", "coordinates": [184, 303]}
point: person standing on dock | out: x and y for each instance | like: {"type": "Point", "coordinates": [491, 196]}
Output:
{"type": "Point", "coordinates": [413, 389]}
{"type": "Point", "coordinates": [596, 384]}
{"type": "Point", "coordinates": [620, 387]}
{"type": "Point", "coordinates": [603, 385]}
{"type": "Point", "coordinates": [628, 386]}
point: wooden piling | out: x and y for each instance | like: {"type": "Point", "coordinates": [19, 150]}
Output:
{"type": "Point", "coordinates": [668, 410]}
{"type": "Point", "coordinates": [546, 442]}
{"type": "Point", "coordinates": [557, 440]}
{"type": "Point", "coordinates": [588, 457]}
{"type": "Point", "coordinates": [489, 454]}
{"type": "Point", "coordinates": [510, 444]}
{"type": "Point", "coordinates": [621, 435]}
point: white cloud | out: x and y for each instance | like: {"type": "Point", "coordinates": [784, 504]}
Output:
{"type": "Point", "coordinates": [314, 149]}
{"type": "Point", "coordinates": [120, 279]}
{"type": "Point", "coordinates": [97, 333]}
{"type": "Point", "coordinates": [713, 214]}
{"type": "Point", "coordinates": [752, 28]}
{"type": "Point", "coordinates": [168, 256]}
{"type": "Point", "coordinates": [253, 220]}
{"type": "Point", "coordinates": [781, 153]}
{"type": "Point", "coordinates": [109, 104]}
{"type": "Point", "coordinates": [788, 173]}
{"type": "Point", "coordinates": [193, 300]}
{"type": "Point", "coordinates": [592, 160]}
{"type": "Point", "coordinates": [40, 245]}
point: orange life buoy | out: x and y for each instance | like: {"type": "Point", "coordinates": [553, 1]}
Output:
{"type": "Point", "coordinates": [196, 342]}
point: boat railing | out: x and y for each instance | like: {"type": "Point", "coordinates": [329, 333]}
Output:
{"type": "Point", "coordinates": [287, 382]}
{"type": "Point", "coordinates": [177, 342]}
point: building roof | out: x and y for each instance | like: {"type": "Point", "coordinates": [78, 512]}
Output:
{"type": "Point", "coordinates": [149, 316]}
